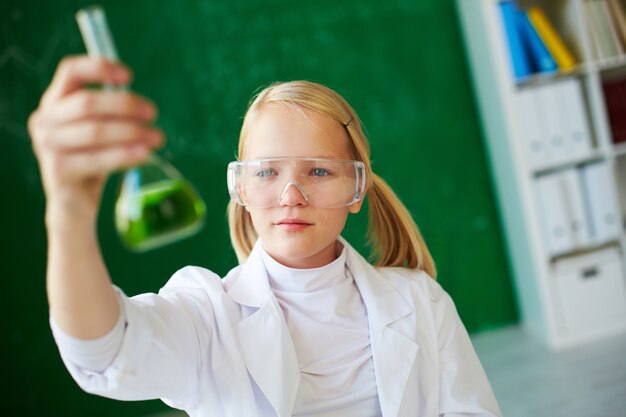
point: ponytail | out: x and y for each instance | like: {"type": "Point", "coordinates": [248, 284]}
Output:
{"type": "Point", "coordinates": [242, 232]}
{"type": "Point", "coordinates": [393, 235]}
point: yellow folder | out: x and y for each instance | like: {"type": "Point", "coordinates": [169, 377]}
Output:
{"type": "Point", "coordinates": [563, 57]}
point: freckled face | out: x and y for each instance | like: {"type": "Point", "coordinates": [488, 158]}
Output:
{"type": "Point", "coordinates": [293, 233]}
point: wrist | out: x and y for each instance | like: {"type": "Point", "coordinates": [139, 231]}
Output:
{"type": "Point", "coordinates": [67, 214]}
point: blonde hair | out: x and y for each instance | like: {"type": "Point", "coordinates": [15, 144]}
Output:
{"type": "Point", "coordinates": [392, 233]}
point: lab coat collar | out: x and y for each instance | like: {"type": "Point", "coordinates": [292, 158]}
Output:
{"type": "Point", "coordinates": [252, 286]}
{"type": "Point", "coordinates": [269, 352]}
{"type": "Point", "coordinates": [382, 300]}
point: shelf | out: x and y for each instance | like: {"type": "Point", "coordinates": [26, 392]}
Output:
{"type": "Point", "coordinates": [608, 64]}
{"type": "Point", "coordinates": [595, 157]}
{"type": "Point", "coordinates": [613, 243]}
{"type": "Point", "coordinates": [549, 77]}
{"type": "Point", "coordinates": [515, 115]}
{"type": "Point", "coordinates": [605, 66]}
{"type": "Point", "coordinates": [619, 149]}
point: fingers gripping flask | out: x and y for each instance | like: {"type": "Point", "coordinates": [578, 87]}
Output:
{"type": "Point", "coordinates": [155, 205]}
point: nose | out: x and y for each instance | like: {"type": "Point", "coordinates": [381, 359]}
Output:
{"type": "Point", "coordinates": [293, 195]}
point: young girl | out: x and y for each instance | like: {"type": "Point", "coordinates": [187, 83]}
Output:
{"type": "Point", "coordinates": [305, 326]}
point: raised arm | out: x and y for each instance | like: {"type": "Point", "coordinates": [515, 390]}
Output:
{"type": "Point", "coordinates": [80, 136]}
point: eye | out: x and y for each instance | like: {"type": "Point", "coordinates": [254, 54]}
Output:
{"type": "Point", "coordinates": [320, 172]}
{"type": "Point", "coordinates": [267, 172]}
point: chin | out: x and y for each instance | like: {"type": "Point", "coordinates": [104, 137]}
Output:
{"type": "Point", "coordinates": [301, 254]}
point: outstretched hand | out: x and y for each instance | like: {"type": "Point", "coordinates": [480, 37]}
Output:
{"type": "Point", "coordinates": [81, 135]}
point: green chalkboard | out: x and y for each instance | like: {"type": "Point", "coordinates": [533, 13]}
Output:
{"type": "Point", "coordinates": [401, 65]}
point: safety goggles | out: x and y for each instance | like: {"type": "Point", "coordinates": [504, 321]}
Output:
{"type": "Point", "coordinates": [326, 183]}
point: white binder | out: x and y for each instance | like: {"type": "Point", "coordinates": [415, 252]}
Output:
{"type": "Point", "coordinates": [562, 211]}
{"type": "Point", "coordinates": [572, 194]}
{"type": "Point", "coordinates": [553, 215]}
{"type": "Point", "coordinates": [535, 137]}
{"type": "Point", "coordinates": [604, 215]}
{"type": "Point", "coordinates": [573, 119]}
{"type": "Point", "coordinates": [548, 111]}
{"type": "Point", "coordinates": [554, 123]}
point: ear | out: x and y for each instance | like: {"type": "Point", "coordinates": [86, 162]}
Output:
{"type": "Point", "coordinates": [356, 207]}
{"type": "Point", "coordinates": [241, 192]}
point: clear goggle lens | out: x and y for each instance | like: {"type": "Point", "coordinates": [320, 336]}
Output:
{"type": "Point", "coordinates": [322, 182]}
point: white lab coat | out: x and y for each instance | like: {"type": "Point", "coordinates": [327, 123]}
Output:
{"type": "Point", "coordinates": [218, 347]}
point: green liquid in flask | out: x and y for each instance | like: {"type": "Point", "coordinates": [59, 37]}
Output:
{"type": "Point", "coordinates": [158, 213]}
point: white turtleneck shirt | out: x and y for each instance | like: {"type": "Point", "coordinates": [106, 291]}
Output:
{"type": "Point", "coordinates": [328, 324]}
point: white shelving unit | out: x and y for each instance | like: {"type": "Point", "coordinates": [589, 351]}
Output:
{"type": "Point", "coordinates": [577, 295]}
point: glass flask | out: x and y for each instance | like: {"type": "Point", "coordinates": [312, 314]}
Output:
{"type": "Point", "coordinates": [155, 205]}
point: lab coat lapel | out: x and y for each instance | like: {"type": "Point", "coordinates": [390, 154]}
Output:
{"type": "Point", "coordinates": [264, 338]}
{"type": "Point", "coordinates": [394, 355]}
{"type": "Point", "coordinates": [394, 350]}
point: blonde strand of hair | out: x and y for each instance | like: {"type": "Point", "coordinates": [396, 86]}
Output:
{"type": "Point", "coordinates": [393, 235]}
{"type": "Point", "coordinates": [242, 232]}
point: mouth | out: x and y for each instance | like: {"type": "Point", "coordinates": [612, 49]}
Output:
{"type": "Point", "coordinates": [293, 224]}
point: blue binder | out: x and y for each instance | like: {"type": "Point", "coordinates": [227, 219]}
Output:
{"type": "Point", "coordinates": [519, 58]}
{"type": "Point", "coordinates": [541, 58]}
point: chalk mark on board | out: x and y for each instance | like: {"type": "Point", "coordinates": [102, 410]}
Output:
{"type": "Point", "coordinates": [28, 65]}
